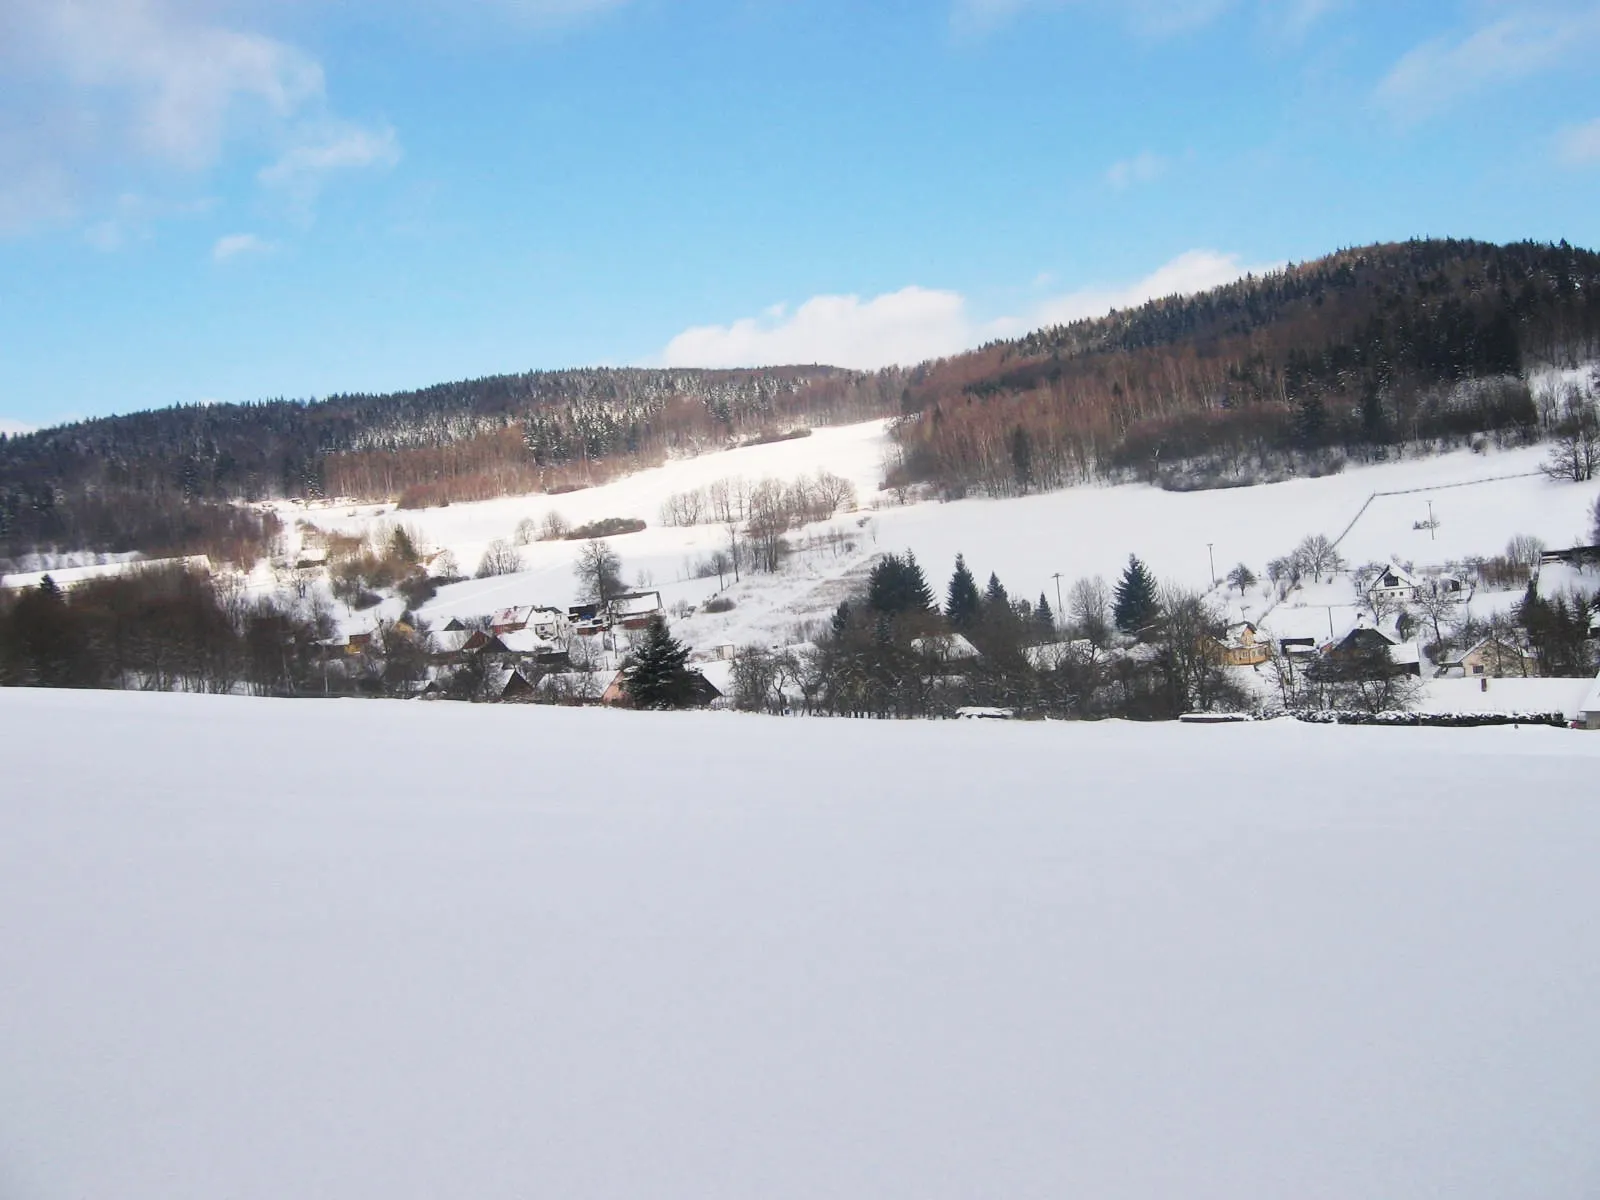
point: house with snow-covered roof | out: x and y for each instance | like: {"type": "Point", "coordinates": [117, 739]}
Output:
{"type": "Point", "coordinates": [1589, 708]}
{"type": "Point", "coordinates": [1394, 582]}
{"type": "Point", "coordinates": [508, 620]}
{"type": "Point", "coordinates": [946, 648]}
{"type": "Point", "coordinates": [1242, 645]}
{"type": "Point", "coordinates": [1491, 658]}
{"type": "Point", "coordinates": [635, 610]}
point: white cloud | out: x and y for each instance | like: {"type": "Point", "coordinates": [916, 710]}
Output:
{"type": "Point", "coordinates": [238, 245]}
{"type": "Point", "coordinates": [11, 427]}
{"type": "Point", "coordinates": [108, 94]}
{"type": "Point", "coordinates": [1157, 18]}
{"type": "Point", "coordinates": [1296, 17]}
{"type": "Point", "coordinates": [899, 327]}
{"type": "Point", "coordinates": [161, 72]}
{"type": "Point", "coordinates": [915, 324]}
{"type": "Point", "coordinates": [1193, 271]}
{"type": "Point", "coordinates": [551, 12]}
{"type": "Point", "coordinates": [1438, 74]}
{"type": "Point", "coordinates": [1143, 167]}
{"type": "Point", "coordinates": [1579, 145]}
{"type": "Point", "coordinates": [327, 147]}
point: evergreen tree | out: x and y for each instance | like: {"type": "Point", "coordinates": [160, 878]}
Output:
{"type": "Point", "coordinates": [1135, 605]}
{"type": "Point", "coordinates": [962, 602]}
{"type": "Point", "coordinates": [994, 596]}
{"type": "Point", "coordinates": [897, 585]}
{"type": "Point", "coordinates": [658, 675]}
{"type": "Point", "coordinates": [1310, 422]}
{"type": "Point", "coordinates": [841, 619]}
{"type": "Point", "coordinates": [1022, 458]}
{"type": "Point", "coordinates": [1044, 618]}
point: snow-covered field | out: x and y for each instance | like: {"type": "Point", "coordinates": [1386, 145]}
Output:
{"type": "Point", "coordinates": [1027, 540]}
{"type": "Point", "coordinates": [266, 949]}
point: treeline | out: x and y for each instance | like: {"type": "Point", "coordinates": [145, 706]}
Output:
{"type": "Point", "coordinates": [156, 480]}
{"type": "Point", "coordinates": [1349, 355]}
{"type": "Point", "coordinates": [156, 630]}
{"type": "Point", "coordinates": [1137, 650]}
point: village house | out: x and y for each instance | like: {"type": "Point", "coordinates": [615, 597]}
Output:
{"type": "Point", "coordinates": [507, 683]}
{"type": "Point", "coordinates": [586, 620]}
{"type": "Point", "coordinates": [1491, 658]}
{"type": "Point", "coordinates": [510, 620]}
{"type": "Point", "coordinates": [635, 610]}
{"type": "Point", "coordinates": [1050, 656]}
{"type": "Point", "coordinates": [1242, 646]}
{"type": "Point", "coordinates": [1589, 709]}
{"type": "Point", "coordinates": [616, 692]}
{"type": "Point", "coordinates": [1363, 640]}
{"type": "Point", "coordinates": [947, 650]}
{"type": "Point", "coordinates": [1394, 583]}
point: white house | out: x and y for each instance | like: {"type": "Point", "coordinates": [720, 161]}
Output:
{"type": "Point", "coordinates": [1589, 709]}
{"type": "Point", "coordinates": [1394, 582]}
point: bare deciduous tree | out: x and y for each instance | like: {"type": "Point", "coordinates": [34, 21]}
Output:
{"type": "Point", "coordinates": [554, 527]}
{"type": "Point", "coordinates": [599, 572]}
{"type": "Point", "coordinates": [1242, 578]}
{"type": "Point", "coordinates": [1575, 451]}
{"type": "Point", "coordinates": [1316, 556]}
{"type": "Point", "coordinates": [1089, 602]}
{"type": "Point", "coordinates": [499, 558]}
{"type": "Point", "coordinates": [1437, 606]}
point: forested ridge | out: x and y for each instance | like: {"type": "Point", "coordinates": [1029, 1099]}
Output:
{"type": "Point", "coordinates": [1361, 354]}
{"type": "Point", "coordinates": [164, 480]}
{"type": "Point", "coordinates": [1351, 354]}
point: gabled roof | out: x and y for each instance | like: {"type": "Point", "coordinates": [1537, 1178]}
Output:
{"type": "Point", "coordinates": [1507, 648]}
{"type": "Point", "coordinates": [947, 645]}
{"type": "Point", "coordinates": [1050, 655]}
{"type": "Point", "coordinates": [1403, 577]}
{"type": "Point", "coordinates": [525, 641]}
{"type": "Point", "coordinates": [1591, 702]}
{"type": "Point", "coordinates": [450, 641]}
{"type": "Point", "coordinates": [636, 604]}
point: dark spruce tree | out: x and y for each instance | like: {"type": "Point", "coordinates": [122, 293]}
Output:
{"type": "Point", "coordinates": [1135, 605]}
{"type": "Point", "coordinates": [995, 597]}
{"type": "Point", "coordinates": [658, 675]}
{"type": "Point", "coordinates": [897, 586]}
{"type": "Point", "coordinates": [1044, 618]}
{"type": "Point", "coordinates": [962, 602]}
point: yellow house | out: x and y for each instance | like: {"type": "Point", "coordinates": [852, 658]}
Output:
{"type": "Point", "coordinates": [1242, 647]}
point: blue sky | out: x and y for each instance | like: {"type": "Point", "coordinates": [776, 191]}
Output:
{"type": "Point", "coordinates": [240, 199]}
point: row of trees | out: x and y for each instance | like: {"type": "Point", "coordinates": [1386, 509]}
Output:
{"type": "Point", "coordinates": [159, 630]}
{"type": "Point", "coordinates": [890, 652]}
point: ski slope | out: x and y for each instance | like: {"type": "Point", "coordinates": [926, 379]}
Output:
{"type": "Point", "coordinates": [1479, 502]}
{"type": "Point", "coordinates": [404, 951]}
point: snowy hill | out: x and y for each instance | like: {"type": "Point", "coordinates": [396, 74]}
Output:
{"type": "Point", "coordinates": [1479, 502]}
{"type": "Point", "coordinates": [712, 957]}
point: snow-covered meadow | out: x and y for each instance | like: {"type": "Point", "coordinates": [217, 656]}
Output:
{"type": "Point", "coordinates": [268, 949]}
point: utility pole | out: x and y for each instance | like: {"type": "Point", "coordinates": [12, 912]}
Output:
{"type": "Point", "coordinates": [1061, 617]}
{"type": "Point", "coordinates": [1213, 559]}
{"type": "Point", "coordinates": [1433, 529]}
